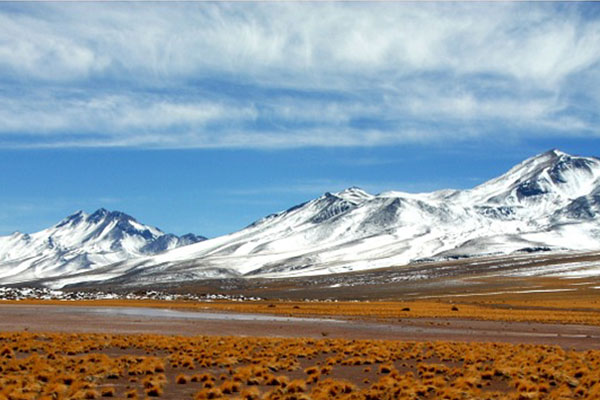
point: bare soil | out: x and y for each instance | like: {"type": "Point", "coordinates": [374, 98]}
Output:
{"type": "Point", "coordinates": [51, 318]}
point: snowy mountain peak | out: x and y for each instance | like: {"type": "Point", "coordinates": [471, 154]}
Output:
{"type": "Point", "coordinates": [554, 176]}
{"type": "Point", "coordinates": [547, 202]}
{"type": "Point", "coordinates": [72, 219]}
{"type": "Point", "coordinates": [354, 195]}
{"type": "Point", "coordinates": [553, 159]}
{"type": "Point", "coordinates": [105, 223]}
{"type": "Point", "coordinates": [103, 213]}
{"type": "Point", "coordinates": [553, 153]}
{"type": "Point", "coordinates": [82, 241]}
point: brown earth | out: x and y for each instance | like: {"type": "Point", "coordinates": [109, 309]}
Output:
{"type": "Point", "coordinates": [52, 318]}
{"type": "Point", "coordinates": [419, 280]}
{"type": "Point", "coordinates": [458, 318]}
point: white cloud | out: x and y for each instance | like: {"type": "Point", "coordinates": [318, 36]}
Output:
{"type": "Point", "coordinates": [166, 40]}
{"type": "Point", "coordinates": [116, 113]}
{"type": "Point", "coordinates": [291, 74]}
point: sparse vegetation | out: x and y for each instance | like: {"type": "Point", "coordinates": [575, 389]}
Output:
{"type": "Point", "coordinates": [543, 300]}
{"type": "Point", "coordinates": [94, 366]}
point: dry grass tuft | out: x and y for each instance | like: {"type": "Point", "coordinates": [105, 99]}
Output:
{"type": "Point", "coordinates": [108, 392]}
{"type": "Point", "coordinates": [122, 366]}
{"type": "Point", "coordinates": [182, 379]}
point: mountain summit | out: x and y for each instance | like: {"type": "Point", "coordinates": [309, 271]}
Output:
{"type": "Point", "coordinates": [551, 176]}
{"type": "Point", "coordinates": [82, 242]}
{"type": "Point", "coordinates": [550, 202]}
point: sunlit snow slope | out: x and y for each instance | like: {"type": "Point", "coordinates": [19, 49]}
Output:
{"type": "Point", "coordinates": [548, 202]}
{"type": "Point", "coordinates": [81, 242]}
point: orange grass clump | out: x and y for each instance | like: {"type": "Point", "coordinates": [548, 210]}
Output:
{"type": "Point", "coordinates": [108, 392]}
{"type": "Point", "coordinates": [91, 366]}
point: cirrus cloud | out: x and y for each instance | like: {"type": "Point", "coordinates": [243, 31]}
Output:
{"type": "Point", "coordinates": [281, 75]}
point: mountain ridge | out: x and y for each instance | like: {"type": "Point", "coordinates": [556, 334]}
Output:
{"type": "Point", "coordinates": [82, 241]}
{"type": "Point", "coordinates": [549, 202]}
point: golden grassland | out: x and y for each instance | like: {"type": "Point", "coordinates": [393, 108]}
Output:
{"type": "Point", "coordinates": [94, 366]}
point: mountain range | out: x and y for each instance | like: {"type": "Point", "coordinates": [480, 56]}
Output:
{"type": "Point", "coordinates": [550, 202]}
{"type": "Point", "coordinates": [81, 242]}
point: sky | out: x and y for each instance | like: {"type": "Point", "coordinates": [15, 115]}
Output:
{"type": "Point", "coordinates": [204, 117]}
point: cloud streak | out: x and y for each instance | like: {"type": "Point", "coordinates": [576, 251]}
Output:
{"type": "Point", "coordinates": [285, 75]}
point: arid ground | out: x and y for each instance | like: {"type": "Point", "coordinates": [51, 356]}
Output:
{"type": "Point", "coordinates": [475, 337]}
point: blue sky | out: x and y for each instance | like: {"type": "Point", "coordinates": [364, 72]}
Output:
{"type": "Point", "coordinates": [204, 117]}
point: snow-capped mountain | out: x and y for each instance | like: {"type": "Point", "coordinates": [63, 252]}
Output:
{"type": "Point", "coordinates": [82, 242]}
{"type": "Point", "coordinates": [548, 202]}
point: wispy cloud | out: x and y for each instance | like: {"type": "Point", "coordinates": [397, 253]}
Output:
{"type": "Point", "coordinates": [284, 75]}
